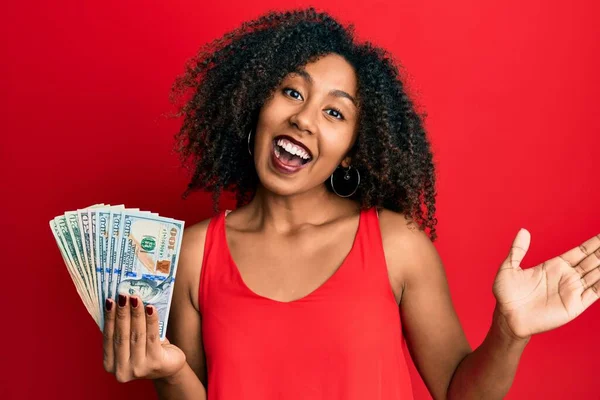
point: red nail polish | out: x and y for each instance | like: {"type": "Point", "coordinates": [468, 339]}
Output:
{"type": "Point", "coordinates": [122, 300]}
{"type": "Point", "coordinates": [149, 310]}
{"type": "Point", "coordinates": [108, 305]}
{"type": "Point", "coordinates": [134, 302]}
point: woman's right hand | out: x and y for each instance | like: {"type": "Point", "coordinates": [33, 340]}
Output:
{"type": "Point", "coordinates": [132, 346]}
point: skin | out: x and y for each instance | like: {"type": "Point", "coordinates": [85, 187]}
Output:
{"type": "Point", "coordinates": [296, 214]}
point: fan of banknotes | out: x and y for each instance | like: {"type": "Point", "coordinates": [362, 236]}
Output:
{"type": "Point", "coordinates": [112, 250]}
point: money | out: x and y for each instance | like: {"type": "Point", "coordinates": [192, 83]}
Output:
{"type": "Point", "coordinates": [112, 250]}
{"type": "Point", "coordinates": [149, 250]}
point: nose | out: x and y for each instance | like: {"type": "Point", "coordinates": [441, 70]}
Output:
{"type": "Point", "coordinates": [305, 118]}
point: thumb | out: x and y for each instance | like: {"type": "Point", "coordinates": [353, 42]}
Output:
{"type": "Point", "coordinates": [518, 250]}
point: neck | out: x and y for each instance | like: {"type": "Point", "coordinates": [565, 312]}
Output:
{"type": "Point", "coordinates": [289, 213]}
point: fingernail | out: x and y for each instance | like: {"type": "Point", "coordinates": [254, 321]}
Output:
{"type": "Point", "coordinates": [149, 310]}
{"type": "Point", "coordinates": [122, 300]}
{"type": "Point", "coordinates": [108, 305]}
{"type": "Point", "coordinates": [134, 302]}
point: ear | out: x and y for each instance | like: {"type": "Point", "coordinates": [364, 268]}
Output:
{"type": "Point", "coordinates": [346, 162]}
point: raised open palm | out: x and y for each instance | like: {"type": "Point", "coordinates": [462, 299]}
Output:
{"type": "Point", "coordinates": [549, 295]}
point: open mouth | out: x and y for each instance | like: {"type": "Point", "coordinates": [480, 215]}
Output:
{"type": "Point", "coordinates": [291, 153]}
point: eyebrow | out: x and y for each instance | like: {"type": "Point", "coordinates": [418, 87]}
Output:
{"type": "Point", "coordinates": [334, 92]}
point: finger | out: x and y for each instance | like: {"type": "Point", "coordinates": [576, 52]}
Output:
{"type": "Point", "coordinates": [122, 335]}
{"type": "Point", "coordinates": [519, 248]}
{"type": "Point", "coordinates": [108, 332]}
{"type": "Point", "coordinates": [590, 278]}
{"type": "Point", "coordinates": [138, 331]}
{"type": "Point", "coordinates": [592, 292]}
{"type": "Point", "coordinates": [589, 263]}
{"type": "Point", "coordinates": [153, 344]}
{"type": "Point", "coordinates": [577, 254]}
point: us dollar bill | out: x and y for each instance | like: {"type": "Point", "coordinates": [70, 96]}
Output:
{"type": "Point", "coordinates": [115, 230]}
{"type": "Point", "coordinates": [114, 249]}
{"type": "Point", "coordinates": [87, 224]}
{"type": "Point", "coordinates": [64, 242]}
{"type": "Point", "coordinates": [110, 250]}
{"type": "Point", "coordinates": [74, 229]}
{"type": "Point", "coordinates": [102, 229]}
{"type": "Point", "coordinates": [103, 246]}
{"type": "Point", "coordinates": [150, 248]}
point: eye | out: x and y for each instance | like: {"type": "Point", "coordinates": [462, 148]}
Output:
{"type": "Point", "coordinates": [291, 93]}
{"type": "Point", "coordinates": [337, 114]}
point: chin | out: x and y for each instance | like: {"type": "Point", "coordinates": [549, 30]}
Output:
{"type": "Point", "coordinates": [280, 187]}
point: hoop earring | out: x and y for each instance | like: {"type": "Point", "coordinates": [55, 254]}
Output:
{"type": "Point", "coordinates": [346, 180]}
{"type": "Point", "coordinates": [249, 136]}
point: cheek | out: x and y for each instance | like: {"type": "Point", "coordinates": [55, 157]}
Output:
{"type": "Point", "coordinates": [335, 144]}
{"type": "Point", "coordinates": [271, 116]}
{"type": "Point", "coordinates": [262, 142]}
{"type": "Point", "coordinates": [272, 111]}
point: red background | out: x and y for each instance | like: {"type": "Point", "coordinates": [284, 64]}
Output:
{"type": "Point", "coordinates": [511, 92]}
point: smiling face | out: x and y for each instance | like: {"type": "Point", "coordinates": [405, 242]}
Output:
{"type": "Point", "coordinates": [307, 128]}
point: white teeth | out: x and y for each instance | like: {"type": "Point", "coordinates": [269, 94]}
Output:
{"type": "Point", "coordinates": [292, 149]}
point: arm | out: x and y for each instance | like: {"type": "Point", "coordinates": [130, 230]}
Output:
{"type": "Point", "coordinates": [528, 301]}
{"type": "Point", "coordinates": [435, 338]}
{"type": "Point", "coordinates": [488, 372]}
{"type": "Point", "coordinates": [185, 324]}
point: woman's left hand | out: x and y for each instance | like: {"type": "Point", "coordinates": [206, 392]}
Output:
{"type": "Point", "coordinates": [547, 296]}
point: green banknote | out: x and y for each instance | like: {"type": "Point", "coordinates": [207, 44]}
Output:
{"type": "Point", "coordinates": [111, 250]}
{"type": "Point", "coordinates": [149, 255]}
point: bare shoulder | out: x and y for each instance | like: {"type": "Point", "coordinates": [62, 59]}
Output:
{"type": "Point", "coordinates": [190, 258]}
{"type": "Point", "coordinates": [434, 336]}
{"type": "Point", "coordinates": [408, 249]}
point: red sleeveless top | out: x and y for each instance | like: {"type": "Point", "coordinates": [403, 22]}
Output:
{"type": "Point", "coordinates": [342, 341]}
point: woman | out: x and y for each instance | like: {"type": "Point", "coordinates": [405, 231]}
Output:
{"type": "Point", "coordinates": [298, 293]}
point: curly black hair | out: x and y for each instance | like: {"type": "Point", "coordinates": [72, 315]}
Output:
{"type": "Point", "coordinates": [225, 85]}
